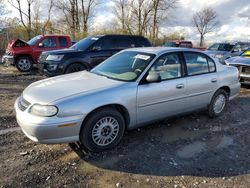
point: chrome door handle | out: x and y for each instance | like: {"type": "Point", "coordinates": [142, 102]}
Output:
{"type": "Point", "coordinates": [180, 86]}
{"type": "Point", "coordinates": [214, 80]}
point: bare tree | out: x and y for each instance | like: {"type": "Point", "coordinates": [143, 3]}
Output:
{"type": "Point", "coordinates": [87, 12]}
{"type": "Point", "coordinates": [3, 11]}
{"type": "Point", "coordinates": [143, 17]}
{"type": "Point", "coordinates": [205, 22]}
{"type": "Point", "coordinates": [40, 22]}
{"type": "Point", "coordinates": [121, 10]}
{"type": "Point", "coordinates": [47, 21]}
{"type": "Point", "coordinates": [24, 14]}
{"type": "Point", "coordinates": [69, 11]}
{"type": "Point", "coordinates": [77, 14]}
{"type": "Point", "coordinates": [141, 11]}
{"type": "Point", "coordinates": [2, 8]}
{"type": "Point", "coordinates": [160, 11]}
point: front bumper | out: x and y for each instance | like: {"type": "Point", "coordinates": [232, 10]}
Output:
{"type": "Point", "coordinates": [244, 72]}
{"type": "Point", "coordinates": [49, 130]}
{"type": "Point", "coordinates": [8, 60]}
{"type": "Point", "coordinates": [43, 69]}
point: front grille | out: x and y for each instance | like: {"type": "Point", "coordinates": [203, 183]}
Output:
{"type": "Point", "coordinates": [23, 104]}
{"type": "Point", "coordinates": [246, 69]}
{"type": "Point", "coordinates": [242, 68]}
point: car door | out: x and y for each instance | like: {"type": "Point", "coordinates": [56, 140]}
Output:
{"type": "Point", "coordinates": [102, 49]}
{"type": "Point", "coordinates": [165, 98]}
{"type": "Point", "coordinates": [45, 44]}
{"type": "Point", "coordinates": [201, 79]}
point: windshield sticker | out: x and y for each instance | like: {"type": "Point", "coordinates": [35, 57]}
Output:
{"type": "Point", "coordinates": [94, 38]}
{"type": "Point", "coordinates": [141, 56]}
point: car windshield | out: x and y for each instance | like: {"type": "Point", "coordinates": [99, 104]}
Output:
{"type": "Point", "coordinates": [33, 41]}
{"type": "Point", "coordinates": [84, 43]}
{"type": "Point", "coordinates": [125, 66]}
{"type": "Point", "coordinates": [246, 53]}
{"type": "Point", "coordinates": [170, 44]}
{"type": "Point", "coordinates": [221, 47]}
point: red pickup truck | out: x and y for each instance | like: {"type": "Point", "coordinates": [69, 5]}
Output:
{"type": "Point", "coordinates": [179, 43]}
{"type": "Point", "coordinates": [25, 54]}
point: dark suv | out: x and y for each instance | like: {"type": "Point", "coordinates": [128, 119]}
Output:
{"type": "Point", "coordinates": [87, 53]}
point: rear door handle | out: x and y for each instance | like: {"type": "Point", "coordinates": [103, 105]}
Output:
{"type": "Point", "coordinates": [214, 80]}
{"type": "Point", "coordinates": [180, 86]}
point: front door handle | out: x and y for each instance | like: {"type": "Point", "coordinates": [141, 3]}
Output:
{"type": "Point", "coordinates": [214, 80]}
{"type": "Point", "coordinates": [180, 86]}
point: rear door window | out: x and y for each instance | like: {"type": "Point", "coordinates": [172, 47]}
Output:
{"type": "Point", "coordinates": [107, 44]}
{"type": "Point", "coordinates": [198, 63]}
{"type": "Point", "coordinates": [63, 42]}
{"type": "Point", "coordinates": [125, 43]}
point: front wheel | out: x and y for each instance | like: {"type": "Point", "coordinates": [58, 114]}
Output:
{"type": "Point", "coordinates": [102, 130]}
{"type": "Point", "coordinates": [24, 64]}
{"type": "Point", "coordinates": [218, 103]}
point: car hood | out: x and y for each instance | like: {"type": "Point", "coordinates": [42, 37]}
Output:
{"type": "Point", "coordinates": [16, 43]}
{"type": "Point", "coordinates": [61, 51]}
{"type": "Point", "coordinates": [239, 60]}
{"type": "Point", "coordinates": [56, 88]}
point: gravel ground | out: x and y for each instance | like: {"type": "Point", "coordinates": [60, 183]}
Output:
{"type": "Point", "coordinates": [187, 151]}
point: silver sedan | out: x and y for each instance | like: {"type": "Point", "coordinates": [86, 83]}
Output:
{"type": "Point", "coordinates": [128, 90]}
{"type": "Point", "coordinates": [242, 62]}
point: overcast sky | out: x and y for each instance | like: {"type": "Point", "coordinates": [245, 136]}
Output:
{"type": "Point", "coordinates": [234, 17]}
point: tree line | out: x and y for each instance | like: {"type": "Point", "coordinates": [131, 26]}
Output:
{"type": "Point", "coordinates": [75, 17]}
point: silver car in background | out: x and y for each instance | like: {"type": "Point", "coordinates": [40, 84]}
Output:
{"type": "Point", "coordinates": [223, 51]}
{"type": "Point", "coordinates": [128, 90]}
{"type": "Point", "coordinates": [242, 62]}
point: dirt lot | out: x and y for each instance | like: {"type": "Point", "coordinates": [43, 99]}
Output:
{"type": "Point", "coordinates": [188, 151]}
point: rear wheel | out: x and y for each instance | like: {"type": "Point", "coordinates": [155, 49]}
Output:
{"type": "Point", "coordinates": [24, 64]}
{"type": "Point", "coordinates": [102, 130]}
{"type": "Point", "coordinates": [218, 103]}
{"type": "Point", "coordinates": [75, 68]}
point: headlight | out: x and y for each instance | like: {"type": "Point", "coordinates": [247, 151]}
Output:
{"type": "Point", "coordinates": [54, 57]}
{"type": "Point", "coordinates": [43, 110]}
{"type": "Point", "coordinates": [219, 56]}
{"type": "Point", "coordinates": [226, 62]}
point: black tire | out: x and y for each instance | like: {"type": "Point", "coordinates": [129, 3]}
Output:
{"type": "Point", "coordinates": [75, 67]}
{"type": "Point", "coordinates": [212, 112]}
{"type": "Point", "coordinates": [87, 129]}
{"type": "Point", "coordinates": [24, 64]}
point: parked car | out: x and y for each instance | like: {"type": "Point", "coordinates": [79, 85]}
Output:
{"type": "Point", "coordinates": [223, 51]}
{"type": "Point", "coordinates": [24, 54]}
{"type": "Point", "coordinates": [128, 90]}
{"type": "Point", "coordinates": [242, 62]}
{"type": "Point", "coordinates": [87, 53]}
{"type": "Point", "coordinates": [179, 43]}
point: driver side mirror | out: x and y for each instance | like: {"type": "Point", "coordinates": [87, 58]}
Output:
{"type": "Point", "coordinates": [40, 45]}
{"type": "Point", "coordinates": [153, 77]}
{"type": "Point", "coordinates": [96, 48]}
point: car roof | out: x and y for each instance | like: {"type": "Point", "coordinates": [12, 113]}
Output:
{"type": "Point", "coordinates": [55, 35]}
{"type": "Point", "coordinates": [161, 50]}
{"type": "Point", "coordinates": [181, 41]}
{"type": "Point", "coordinates": [115, 35]}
